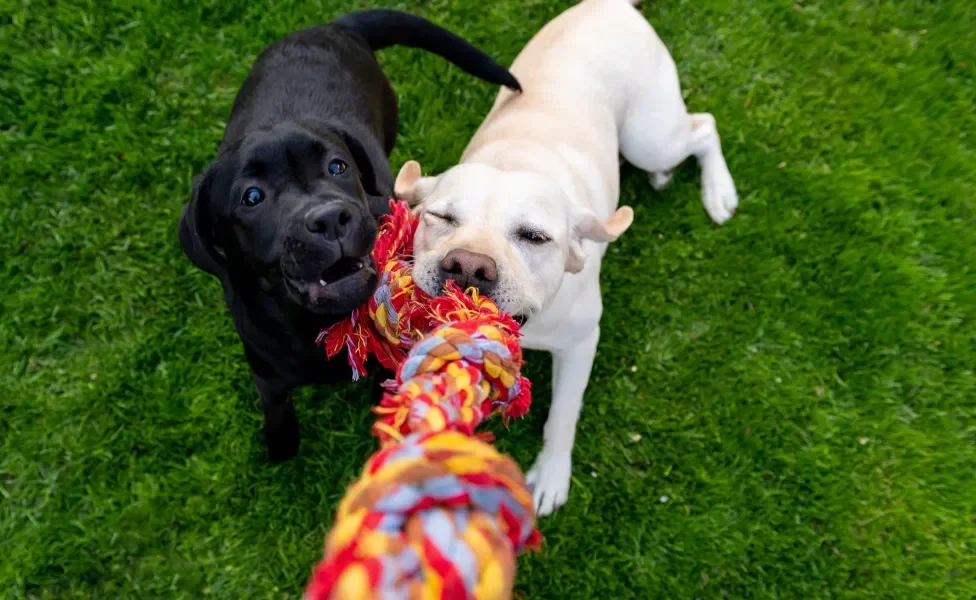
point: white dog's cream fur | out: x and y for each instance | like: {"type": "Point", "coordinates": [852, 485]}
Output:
{"type": "Point", "coordinates": [537, 190]}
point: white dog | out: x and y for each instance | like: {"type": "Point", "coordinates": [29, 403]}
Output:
{"type": "Point", "coordinates": [527, 215]}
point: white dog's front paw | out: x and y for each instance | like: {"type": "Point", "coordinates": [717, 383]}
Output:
{"type": "Point", "coordinates": [718, 193]}
{"type": "Point", "coordinates": [549, 481]}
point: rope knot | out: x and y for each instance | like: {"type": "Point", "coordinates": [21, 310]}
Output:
{"type": "Point", "coordinates": [452, 379]}
{"type": "Point", "coordinates": [439, 515]}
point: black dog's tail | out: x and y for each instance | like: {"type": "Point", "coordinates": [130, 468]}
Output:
{"type": "Point", "coordinates": [382, 28]}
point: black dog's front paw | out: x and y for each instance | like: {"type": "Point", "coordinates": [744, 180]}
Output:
{"type": "Point", "coordinates": [282, 438]}
{"type": "Point", "coordinates": [282, 449]}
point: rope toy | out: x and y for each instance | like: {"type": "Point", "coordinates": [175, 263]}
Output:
{"type": "Point", "coordinates": [437, 512]}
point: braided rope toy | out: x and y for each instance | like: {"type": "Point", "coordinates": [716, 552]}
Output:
{"type": "Point", "coordinates": [437, 512]}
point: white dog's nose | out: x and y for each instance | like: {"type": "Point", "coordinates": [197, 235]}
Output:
{"type": "Point", "coordinates": [470, 269]}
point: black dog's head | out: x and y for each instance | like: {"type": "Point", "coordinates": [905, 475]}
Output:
{"type": "Point", "coordinates": [294, 208]}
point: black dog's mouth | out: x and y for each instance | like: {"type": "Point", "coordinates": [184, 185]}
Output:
{"type": "Point", "coordinates": [342, 268]}
{"type": "Point", "coordinates": [343, 285]}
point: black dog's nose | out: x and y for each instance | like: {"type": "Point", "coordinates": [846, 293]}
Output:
{"type": "Point", "coordinates": [470, 269]}
{"type": "Point", "coordinates": [330, 220]}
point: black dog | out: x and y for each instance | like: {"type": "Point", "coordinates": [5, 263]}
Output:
{"type": "Point", "coordinates": [286, 216]}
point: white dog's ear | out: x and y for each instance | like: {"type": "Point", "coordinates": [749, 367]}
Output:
{"type": "Point", "coordinates": [410, 186]}
{"type": "Point", "coordinates": [591, 227]}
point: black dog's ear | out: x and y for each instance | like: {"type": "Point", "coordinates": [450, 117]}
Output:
{"type": "Point", "coordinates": [371, 160]}
{"type": "Point", "coordinates": [196, 229]}
{"type": "Point", "coordinates": [378, 205]}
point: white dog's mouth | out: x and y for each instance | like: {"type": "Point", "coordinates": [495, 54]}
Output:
{"type": "Point", "coordinates": [509, 299]}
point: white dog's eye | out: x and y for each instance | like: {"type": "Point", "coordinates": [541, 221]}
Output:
{"type": "Point", "coordinates": [449, 219]}
{"type": "Point", "coordinates": [533, 236]}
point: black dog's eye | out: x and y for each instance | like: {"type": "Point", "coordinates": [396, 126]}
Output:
{"type": "Point", "coordinates": [337, 167]}
{"type": "Point", "coordinates": [252, 197]}
{"type": "Point", "coordinates": [534, 237]}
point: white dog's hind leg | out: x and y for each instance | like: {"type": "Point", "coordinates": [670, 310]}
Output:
{"type": "Point", "coordinates": [657, 133]}
{"type": "Point", "coordinates": [656, 129]}
{"type": "Point", "coordinates": [661, 179]}
{"type": "Point", "coordinates": [550, 475]}
{"type": "Point", "coordinates": [718, 188]}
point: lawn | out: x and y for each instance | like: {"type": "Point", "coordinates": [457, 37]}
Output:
{"type": "Point", "coordinates": [801, 378]}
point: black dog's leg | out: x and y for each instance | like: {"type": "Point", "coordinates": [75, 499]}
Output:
{"type": "Point", "coordinates": [378, 389]}
{"type": "Point", "coordinates": [281, 432]}
{"type": "Point", "coordinates": [380, 375]}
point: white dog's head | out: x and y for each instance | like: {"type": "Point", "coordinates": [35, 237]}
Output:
{"type": "Point", "coordinates": [510, 234]}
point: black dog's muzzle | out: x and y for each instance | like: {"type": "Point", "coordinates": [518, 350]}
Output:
{"type": "Point", "coordinates": [326, 258]}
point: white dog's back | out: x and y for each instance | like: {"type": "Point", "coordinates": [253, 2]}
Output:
{"type": "Point", "coordinates": [578, 74]}
{"type": "Point", "coordinates": [592, 51]}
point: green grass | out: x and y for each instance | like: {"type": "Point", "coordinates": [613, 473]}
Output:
{"type": "Point", "coordinates": [802, 378]}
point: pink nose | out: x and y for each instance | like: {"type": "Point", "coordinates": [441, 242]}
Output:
{"type": "Point", "coordinates": [470, 269]}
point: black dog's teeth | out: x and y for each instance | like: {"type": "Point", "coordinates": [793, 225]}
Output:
{"type": "Point", "coordinates": [341, 268]}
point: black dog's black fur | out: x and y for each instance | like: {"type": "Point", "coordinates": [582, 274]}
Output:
{"type": "Point", "coordinates": [286, 215]}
